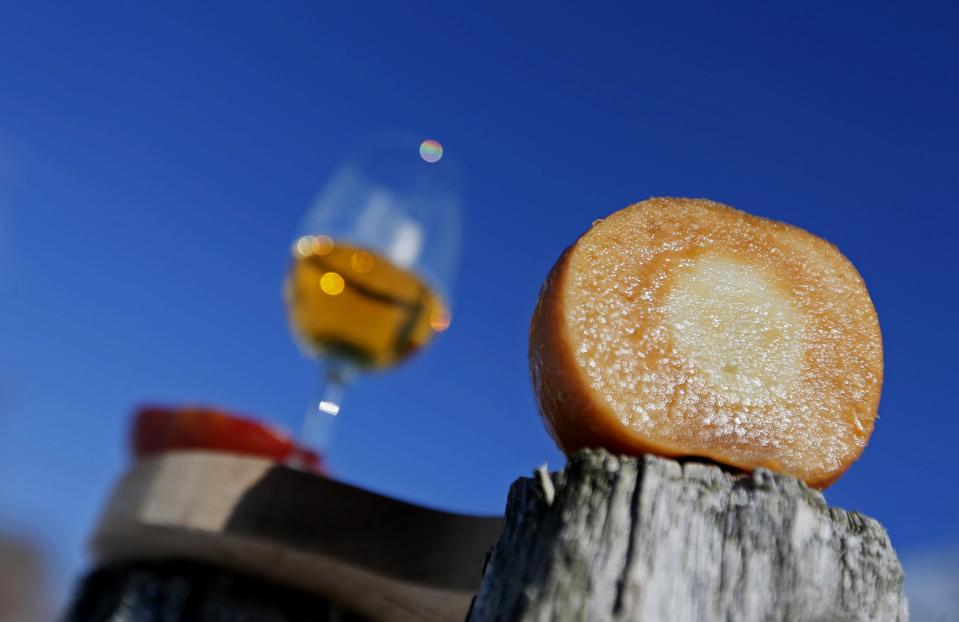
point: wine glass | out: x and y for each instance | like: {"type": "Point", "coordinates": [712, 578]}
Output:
{"type": "Point", "coordinates": [369, 281]}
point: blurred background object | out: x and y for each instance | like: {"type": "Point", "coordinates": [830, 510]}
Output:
{"type": "Point", "coordinates": [22, 595]}
{"type": "Point", "coordinates": [370, 279]}
{"type": "Point", "coordinates": [158, 429]}
{"type": "Point", "coordinates": [155, 160]}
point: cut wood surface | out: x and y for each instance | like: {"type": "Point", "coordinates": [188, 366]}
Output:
{"type": "Point", "coordinates": [616, 538]}
{"type": "Point", "coordinates": [379, 557]}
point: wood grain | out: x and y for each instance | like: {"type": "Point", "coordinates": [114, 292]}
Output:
{"type": "Point", "coordinates": [620, 538]}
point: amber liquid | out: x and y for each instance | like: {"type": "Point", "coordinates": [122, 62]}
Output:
{"type": "Point", "coordinates": [355, 304]}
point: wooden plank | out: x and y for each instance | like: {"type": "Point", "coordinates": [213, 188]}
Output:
{"type": "Point", "coordinates": [377, 556]}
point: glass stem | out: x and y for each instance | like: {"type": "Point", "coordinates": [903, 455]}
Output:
{"type": "Point", "coordinates": [319, 420]}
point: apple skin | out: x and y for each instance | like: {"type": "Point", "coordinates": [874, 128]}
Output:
{"type": "Point", "coordinates": [157, 429]}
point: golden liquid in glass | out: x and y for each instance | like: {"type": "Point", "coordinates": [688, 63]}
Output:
{"type": "Point", "coordinates": [355, 304]}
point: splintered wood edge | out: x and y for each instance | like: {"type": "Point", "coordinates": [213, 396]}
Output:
{"type": "Point", "coordinates": [375, 555]}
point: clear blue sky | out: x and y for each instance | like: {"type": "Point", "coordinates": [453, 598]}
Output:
{"type": "Point", "coordinates": [155, 163]}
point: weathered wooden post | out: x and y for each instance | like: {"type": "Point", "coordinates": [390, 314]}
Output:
{"type": "Point", "coordinates": [617, 538]}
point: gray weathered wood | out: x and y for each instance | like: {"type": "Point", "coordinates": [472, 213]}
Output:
{"type": "Point", "coordinates": [651, 539]}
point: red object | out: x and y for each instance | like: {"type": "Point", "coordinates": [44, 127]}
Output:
{"type": "Point", "coordinates": [157, 429]}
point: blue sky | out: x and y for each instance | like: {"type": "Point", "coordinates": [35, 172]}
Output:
{"type": "Point", "coordinates": [155, 163]}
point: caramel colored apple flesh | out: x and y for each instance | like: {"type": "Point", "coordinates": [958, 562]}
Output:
{"type": "Point", "coordinates": [688, 328]}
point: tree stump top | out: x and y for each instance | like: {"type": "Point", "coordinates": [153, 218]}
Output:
{"type": "Point", "coordinates": [618, 538]}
